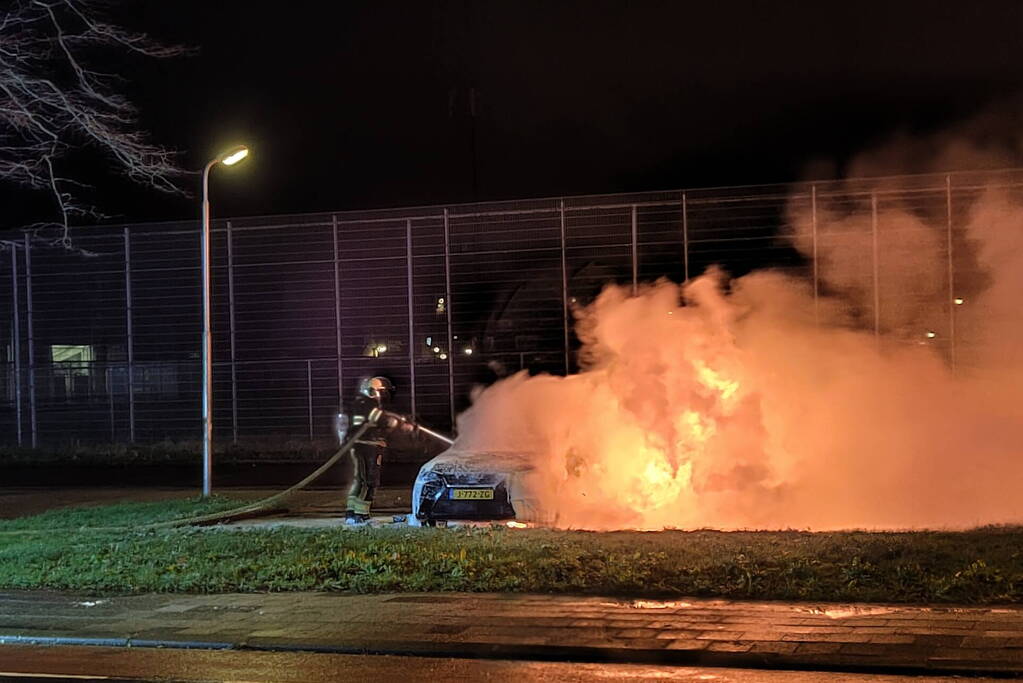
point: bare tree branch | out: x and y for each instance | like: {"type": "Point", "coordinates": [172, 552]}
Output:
{"type": "Point", "coordinates": [53, 101]}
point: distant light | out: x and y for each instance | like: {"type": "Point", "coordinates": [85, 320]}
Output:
{"type": "Point", "coordinates": [670, 312]}
{"type": "Point", "coordinates": [930, 335]}
{"type": "Point", "coordinates": [234, 156]}
{"type": "Point", "coordinates": [440, 301]}
{"type": "Point", "coordinates": [443, 356]}
{"type": "Point", "coordinates": [516, 525]}
{"type": "Point", "coordinates": [382, 348]}
{"type": "Point", "coordinates": [959, 301]}
{"type": "Point", "coordinates": [429, 341]}
{"type": "Point", "coordinates": [468, 351]}
{"type": "Point", "coordinates": [436, 349]}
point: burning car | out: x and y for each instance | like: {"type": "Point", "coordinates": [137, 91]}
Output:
{"type": "Point", "coordinates": [467, 485]}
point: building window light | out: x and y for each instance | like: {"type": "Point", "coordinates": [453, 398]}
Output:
{"type": "Point", "coordinates": [71, 353]}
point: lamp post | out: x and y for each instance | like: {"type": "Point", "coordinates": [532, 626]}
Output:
{"type": "Point", "coordinates": [228, 158]}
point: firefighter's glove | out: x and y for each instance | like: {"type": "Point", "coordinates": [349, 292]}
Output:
{"type": "Point", "coordinates": [398, 423]}
{"type": "Point", "coordinates": [390, 421]}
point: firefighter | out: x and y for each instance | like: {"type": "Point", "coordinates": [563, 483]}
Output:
{"type": "Point", "coordinates": [389, 429]}
{"type": "Point", "coordinates": [367, 454]}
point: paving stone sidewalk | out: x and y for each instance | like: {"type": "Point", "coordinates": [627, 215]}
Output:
{"type": "Point", "coordinates": [690, 631]}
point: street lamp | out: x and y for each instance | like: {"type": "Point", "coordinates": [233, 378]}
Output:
{"type": "Point", "coordinates": [228, 158]}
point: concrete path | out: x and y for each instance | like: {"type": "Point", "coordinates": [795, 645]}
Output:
{"type": "Point", "coordinates": [867, 638]}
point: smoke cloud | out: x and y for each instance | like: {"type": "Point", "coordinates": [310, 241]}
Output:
{"type": "Point", "coordinates": [749, 402]}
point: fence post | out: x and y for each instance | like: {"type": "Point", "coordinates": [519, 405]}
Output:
{"type": "Point", "coordinates": [337, 315]}
{"type": "Point", "coordinates": [564, 284]}
{"type": "Point", "coordinates": [309, 394]}
{"type": "Point", "coordinates": [411, 325]}
{"type": "Point", "coordinates": [635, 255]}
{"type": "Point", "coordinates": [110, 400]}
{"type": "Point", "coordinates": [130, 337]}
{"type": "Point", "coordinates": [951, 276]}
{"type": "Point", "coordinates": [17, 339]}
{"type": "Point", "coordinates": [813, 239]}
{"type": "Point", "coordinates": [447, 300]}
{"type": "Point", "coordinates": [31, 344]}
{"type": "Point", "coordinates": [876, 274]}
{"type": "Point", "coordinates": [230, 309]}
{"type": "Point", "coordinates": [685, 238]}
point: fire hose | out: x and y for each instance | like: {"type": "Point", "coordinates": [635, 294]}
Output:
{"type": "Point", "coordinates": [260, 507]}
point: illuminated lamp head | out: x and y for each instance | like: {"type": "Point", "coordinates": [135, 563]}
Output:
{"type": "Point", "coordinates": [234, 155]}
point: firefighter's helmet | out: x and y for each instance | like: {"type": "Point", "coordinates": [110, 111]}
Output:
{"type": "Point", "coordinates": [376, 387]}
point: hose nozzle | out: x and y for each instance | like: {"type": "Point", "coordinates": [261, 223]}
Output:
{"type": "Point", "coordinates": [389, 420]}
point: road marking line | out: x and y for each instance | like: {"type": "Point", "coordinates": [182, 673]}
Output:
{"type": "Point", "coordinates": [25, 674]}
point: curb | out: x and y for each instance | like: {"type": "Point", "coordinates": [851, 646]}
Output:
{"type": "Point", "coordinates": [561, 653]}
{"type": "Point", "coordinates": [83, 641]}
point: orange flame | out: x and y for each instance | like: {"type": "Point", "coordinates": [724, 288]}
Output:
{"type": "Point", "coordinates": [744, 409]}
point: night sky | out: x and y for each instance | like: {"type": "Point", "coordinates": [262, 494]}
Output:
{"type": "Point", "coordinates": [367, 104]}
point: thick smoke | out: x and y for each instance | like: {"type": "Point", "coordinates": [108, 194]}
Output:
{"type": "Point", "coordinates": [748, 402]}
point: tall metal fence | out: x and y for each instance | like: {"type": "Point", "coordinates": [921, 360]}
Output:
{"type": "Point", "coordinates": [102, 342]}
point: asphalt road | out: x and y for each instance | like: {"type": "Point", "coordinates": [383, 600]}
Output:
{"type": "Point", "coordinates": [143, 664]}
{"type": "Point", "coordinates": [24, 501]}
{"type": "Point", "coordinates": [225, 475]}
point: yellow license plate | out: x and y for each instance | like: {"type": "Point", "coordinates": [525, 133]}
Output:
{"type": "Point", "coordinates": [472, 494]}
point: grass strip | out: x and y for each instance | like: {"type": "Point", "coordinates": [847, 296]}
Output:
{"type": "Point", "coordinates": [981, 566]}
